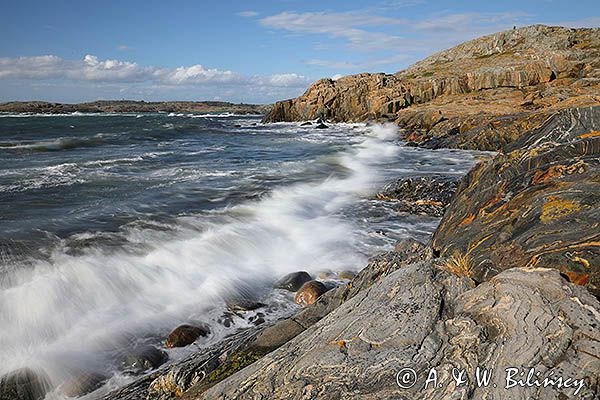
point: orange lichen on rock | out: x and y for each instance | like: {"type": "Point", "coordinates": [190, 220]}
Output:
{"type": "Point", "coordinates": [576, 278]}
{"type": "Point", "coordinates": [558, 208]}
{"type": "Point", "coordinates": [467, 221]}
{"type": "Point", "coordinates": [589, 135]}
{"type": "Point", "coordinates": [557, 171]}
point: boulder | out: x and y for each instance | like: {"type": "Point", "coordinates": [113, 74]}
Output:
{"type": "Point", "coordinates": [82, 384]}
{"type": "Point", "coordinates": [24, 384]}
{"type": "Point", "coordinates": [184, 335]}
{"type": "Point", "coordinates": [321, 126]}
{"type": "Point", "coordinates": [347, 275]}
{"type": "Point", "coordinates": [293, 281]}
{"type": "Point", "coordinates": [309, 293]}
{"type": "Point", "coordinates": [144, 358]}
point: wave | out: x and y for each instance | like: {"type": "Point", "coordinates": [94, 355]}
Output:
{"type": "Point", "coordinates": [62, 143]}
{"type": "Point", "coordinates": [71, 311]}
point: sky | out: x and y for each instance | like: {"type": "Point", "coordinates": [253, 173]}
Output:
{"type": "Point", "coordinates": [240, 51]}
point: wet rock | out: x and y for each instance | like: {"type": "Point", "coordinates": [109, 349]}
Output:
{"type": "Point", "coordinates": [293, 281]}
{"type": "Point", "coordinates": [144, 358]}
{"type": "Point", "coordinates": [83, 384]}
{"type": "Point", "coordinates": [226, 319]}
{"type": "Point", "coordinates": [321, 126]}
{"type": "Point", "coordinates": [323, 275]}
{"type": "Point", "coordinates": [307, 123]}
{"type": "Point", "coordinates": [309, 293]}
{"type": "Point", "coordinates": [257, 319]}
{"type": "Point", "coordinates": [185, 335]}
{"type": "Point", "coordinates": [241, 304]}
{"type": "Point", "coordinates": [24, 384]}
{"type": "Point", "coordinates": [421, 194]}
{"type": "Point", "coordinates": [348, 275]}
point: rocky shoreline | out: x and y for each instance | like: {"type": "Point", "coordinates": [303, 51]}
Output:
{"type": "Point", "coordinates": [510, 280]}
{"type": "Point", "coordinates": [128, 106]}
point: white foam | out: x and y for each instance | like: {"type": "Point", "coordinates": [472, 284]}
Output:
{"type": "Point", "coordinates": [65, 312]}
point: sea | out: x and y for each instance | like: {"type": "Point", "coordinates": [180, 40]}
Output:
{"type": "Point", "coordinates": [116, 228]}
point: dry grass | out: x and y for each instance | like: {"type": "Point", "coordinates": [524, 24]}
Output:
{"type": "Point", "coordinates": [460, 265]}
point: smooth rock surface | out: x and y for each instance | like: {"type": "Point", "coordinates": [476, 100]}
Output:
{"type": "Point", "coordinates": [293, 281]}
{"type": "Point", "coordinates": [185, 335]}
{"type": "Point", "coordinates": [422, 317]}
{"type": "Point", "coordinates": [309, 292]}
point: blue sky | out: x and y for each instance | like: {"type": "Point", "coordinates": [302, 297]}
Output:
{"type": "Point", "coordinates": [251, 51]}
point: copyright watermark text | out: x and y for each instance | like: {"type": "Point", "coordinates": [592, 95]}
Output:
{"type": "Point", "coordinates": [511, 377]}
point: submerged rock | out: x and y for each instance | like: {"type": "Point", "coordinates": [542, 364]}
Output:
{"type": "Point", "coordinates": [309, 293]}
{"type": "Point", "coordinates": [348, 275]}
{"type": "Point", "coordinates": [24, 384]}
{"type": "Point", "coordinates": [185, 335]}
{"type": "Point", "coordinates": [144, 358]}
{"type": "Point", "coordinates": [321, 126]}
{"type": "Point", "coordinates": [83, 384]}
{"type": "Point", "coordinates": [293, 281]}
{"type": "Point", "coordinates": [237, 304]}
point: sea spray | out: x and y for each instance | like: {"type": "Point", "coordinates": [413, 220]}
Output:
{"type": "Point", "coordinates": [67, 313]}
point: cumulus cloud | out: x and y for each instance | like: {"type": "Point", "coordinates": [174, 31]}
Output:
{"type": "Point", "coordinates": [91, 69]}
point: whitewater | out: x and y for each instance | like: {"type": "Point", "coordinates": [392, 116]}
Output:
{"type": "Point", "coordinates": [118, 228]}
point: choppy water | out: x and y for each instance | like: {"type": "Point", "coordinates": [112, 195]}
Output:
{"type": "Point", "coordinates": [116, 228]}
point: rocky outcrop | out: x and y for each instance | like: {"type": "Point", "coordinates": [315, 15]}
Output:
{"type": "Point", "coordinates": [466, 88]}
{"type": "Point", "coordinates": [420, 194]}
{"type": "Point", "coordinates": [421, 317]}
{"type": "Point", "coordinates": [537, 205]}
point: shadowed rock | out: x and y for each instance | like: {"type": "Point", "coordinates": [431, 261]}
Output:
{"type": "Point", "coordinates": [144, 358]}
{"type": "Point", "coordinates": [24, 384]}
{"type": "Point", "coordinates": [83, 384]}
{"type": "Point", "coordinates": [293, 281]}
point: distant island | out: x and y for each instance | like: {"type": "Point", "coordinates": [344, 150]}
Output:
{"type": "Point", "coordinates": [130, 106]}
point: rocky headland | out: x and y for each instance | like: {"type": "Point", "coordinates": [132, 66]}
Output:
{"type": "Point", "coordinates": [509, 280]}
{"type": "Point", "coordinates": [128, 106]}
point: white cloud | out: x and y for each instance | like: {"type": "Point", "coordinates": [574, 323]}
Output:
{"type": "Point", "coordinates": [397, 41]}
{"type": "Point", "coordinates": [92, 69]}
{"type": "Point", "coordinates": [247, 14]}
{"type": "Point", "coordinates": [338, 25]}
